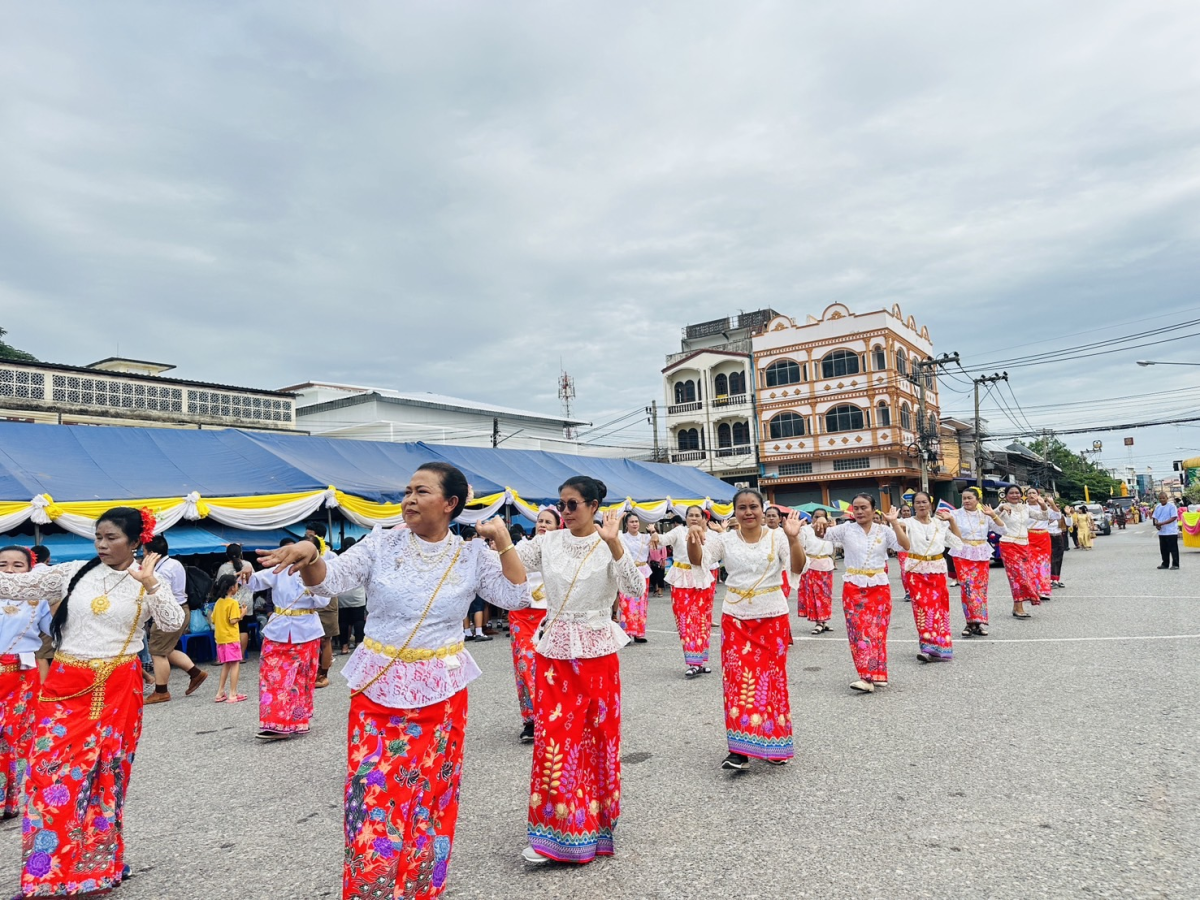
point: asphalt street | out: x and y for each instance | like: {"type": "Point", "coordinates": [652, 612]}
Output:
{"type": "Point", "coordinates": [1056, 758]}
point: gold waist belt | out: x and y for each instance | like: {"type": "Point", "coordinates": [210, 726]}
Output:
{"type": "Point", "coordinates": [819, 556]}
{"type": "Point", "coordinates": [924, 558]}
{"type": "Point", "coordinates": [682, 565]}
{"type": "Point", "coordinates": [404, 655]}
{"type": "Point", "coordinates": [103, 669]}
{"type": "Point", "coordinates": [642, 562]}
{"type": "Point", "coordinates": [9, 668]}
{"type": "Point", "coordinates": [975, 543]}
{"type": "Point", "coordinates": [867, 572]}
{"type": "Point", "coordinates": [293, 612]}
{"type": "Point", "coordinates": [750, 595]}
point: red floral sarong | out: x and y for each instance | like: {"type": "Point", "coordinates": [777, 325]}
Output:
{"type": "Point", "coordinates": [973, 577]}
{"type": "Point", "coordinates": [522, 624]}
{"type": "Point", "coordinates": [575, 785]}
{"type": "Point", "coordinates": [633, 612]}
{"type": "Point", "coordinates": [1039, 561]}
{"type": "Point", "coordinates": [758, 715]}
{"type": "Point", "coordinates": [931, 612]}
{"type": "Point", "coordinates": [816, 592]}
{"type": "Point", "coordinates": [287, 675]}
{"type": "Point", "coordinates": [1020, 574]}
{"type": "Point", "coordinates": [16, 730]}
{"type": "Point", "coordinates": [71, 833]}
{"type": "Point", "coordinates": [868, 612]}
{"type": "Point", "coordinates": [402, 780]}
{"type": "Point", "coordinates": [693, 619]}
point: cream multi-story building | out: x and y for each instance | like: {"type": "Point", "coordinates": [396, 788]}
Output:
{"type": "Point", "coordinates": [838, 407]}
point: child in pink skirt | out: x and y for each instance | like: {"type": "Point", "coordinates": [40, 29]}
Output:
{"type": "Point", "coordinates": [225, 617]}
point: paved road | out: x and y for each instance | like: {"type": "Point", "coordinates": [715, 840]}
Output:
{"type": "Point", "coordinates": [1057, 758]}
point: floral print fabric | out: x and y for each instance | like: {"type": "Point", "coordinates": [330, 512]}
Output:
{"type": "Point", "coordinates": [868, 612]}
{"type": "Point", "coordinates": [16, 732]}
{"type": "Point", "coordinates": [287, 675]}
{"type": "Point", "coordinates": [1039, 560]}
{"type": "Point", "coordinates": [402, 781]}
{"type": "Point", "coordinates": [1019, 571]}
{"type": "Point", "coordinates": [575, 784]}
{"type": "Point", "coordinates": [758, 715]}
{"type": "Point", "coordinates": [522, 625]}
{"type": "Point", "coordinates": [931, 612]}
{"type": "Point", "coordinates": [973, 576]}
{"type": "Point", "coordinates": [693, 619]}
{"type": "Point", "coordinates": [633, 612]}
{"type": "Point", "coordinates": [71, 831]}
{"type": "Point", "coordinates": [816, 595]}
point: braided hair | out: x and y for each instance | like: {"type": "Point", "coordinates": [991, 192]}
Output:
{"type": "Point", "coordinates": [130, 521]}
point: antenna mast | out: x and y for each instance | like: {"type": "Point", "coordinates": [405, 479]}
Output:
{"type": "Point", "coordinates": [566, 393]}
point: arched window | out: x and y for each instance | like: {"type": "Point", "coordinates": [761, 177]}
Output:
{"type": "Point", "coordinates": [839, 363]}
{"type": "Point", "coordinates": [685, 392]}
{"type": "Point", "coordinates": [783, 372]}
{"type": "Point", "coordinates": [741, 434]}
{"type": "Point", "coordinates": [933, 424]}
{"type": "Point", "coordinates": [787, 425]}
{"type": "Point", "coordinates": [737, 383]}
{"type": "Point", "coordinates": [724, 435]}
{"type": "Point", "coordinates": [688, 439]}
{"type": "Point", "coordinates": [721, 386]}
{"type": "Point", "coordinates": [884, 416]}
{"type": "Point", "coordinates": [844, 418]}
{"type": "Point", "coordinates": [880, 359]}
{"type": "Point", "coordinates": [901, 362]}
{"type": "Point", "coordinates": [905, 417]}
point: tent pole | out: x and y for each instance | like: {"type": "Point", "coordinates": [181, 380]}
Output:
{"type": "Point", "coordinates": [37, 533]}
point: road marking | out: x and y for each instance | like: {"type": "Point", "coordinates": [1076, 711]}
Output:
{"type": "Point", "coordinates": [992, 640]}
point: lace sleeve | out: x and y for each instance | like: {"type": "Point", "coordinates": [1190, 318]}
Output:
{"type": "Point", "coordinates": [495, 588]}
{"type": "Point", "coordinates": [531, 554]}
{"type": "Point", "coordinates": [714, 549]}
{"type": "Point", "coordinates": [49, 583]}
{"type": "Point", "coordinates": [835, 534]}
{"type": "Point", "coordinates": [629, 580]}
{"type": "Point", "coordinates": [164, 607]}
{"type": "Point", "coordinates": [949, 538]}
{"type": "Point", "coordinates": [351, 569]}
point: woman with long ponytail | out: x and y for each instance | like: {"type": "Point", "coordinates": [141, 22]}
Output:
{"type": "Point", "coordinates": [89, 715]}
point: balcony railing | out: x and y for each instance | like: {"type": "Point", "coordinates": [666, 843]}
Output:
{"type": "Point", "coordinates": [694, 406]}
{"type": "Point", "coordinates": [739, 450]}
{"type": "Point", "coordinates": [730, 400]}
{"type": "Point", "coordinates": [687, 455]}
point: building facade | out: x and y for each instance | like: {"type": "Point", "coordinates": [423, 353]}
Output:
{"type": "Point", "coordinates": [839, 410]}
{"type": "Point", "coordinates": [709, 389]}
{"type": "Point", "coordinates": [132, 392]}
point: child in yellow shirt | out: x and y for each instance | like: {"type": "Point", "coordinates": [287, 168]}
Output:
{"type": "Point", "coordinates": [225, 617]}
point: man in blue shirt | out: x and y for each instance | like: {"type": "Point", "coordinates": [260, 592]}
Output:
{"type": "Point", "coordinates": [1166, 522]}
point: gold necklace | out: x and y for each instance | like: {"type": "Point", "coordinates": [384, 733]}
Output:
{"type": "Point", "coordinates": [101, 604]}
{"type": "Point", "coordinates": [764, 532]}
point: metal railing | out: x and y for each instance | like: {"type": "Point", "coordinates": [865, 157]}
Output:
{"type": "Point", "coordinates": [694, 406]}
{"type": "Point", "coordinates": [730, 400]}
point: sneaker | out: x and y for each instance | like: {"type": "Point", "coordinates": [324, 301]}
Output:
{"type": "Point", "coordinates": [1164, 566]}
{"type": "Point", "coordinates": [736, 761]}
{"type": "Point", "coordinates": [533, 857]}
{"type": "Point", "coordinates": [864, 686]}
{"type": "Point", "coordinates": [321, 682]}
{"type": "Point", "coordinates": [156, 697]}
{"type": "Point", "coordinates": [197, 680]}
{"type": "Point", "coordinates": [527, 733]}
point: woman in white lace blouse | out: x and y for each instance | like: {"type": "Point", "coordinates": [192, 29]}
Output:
{"type": "Point", "coordinates": [575, 786]}
{"type": "Point", "coordinates": [89, 716]}
{"type": "Point", "coordinates": [408, 678]}
{"type": "Point", "coordinates": [633, 607]}
{"type": "Point", "coordinates": [755, 631]}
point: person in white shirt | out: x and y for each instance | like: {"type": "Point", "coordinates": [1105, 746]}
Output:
{"type": "Point", "coordinates": [164, 643]}
{"type": "Point", "coordinates": [755, 629]}
{"type": "Point", "coordinates": [575, 786]}
{"type": "Point", "coordinates": [973, 559]}
{"type": "Point", "coordinates": [866, 593]}
{"type": "Point", "coordinates": [633, 608]}
{"type": "Point", "coordinates": [691, 594]}
{"type": "Point", "coordinates": [89, 714]}
{"type": "Point", "coordinates": [816, 581]}
{"type": "Point", "coordinates": [522, 628]}
{"type": "Point", "coordinates": [1016, 516]}
{"type": "Point", "coordinates": [408, 679]}
{"type": "Point", "coordinates": [929, 537]}
{"type": "Point", "coordinates": [1165, 517]}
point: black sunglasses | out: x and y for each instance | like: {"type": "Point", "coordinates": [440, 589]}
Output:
{"type": "Point", "coordinates": [570, 505]}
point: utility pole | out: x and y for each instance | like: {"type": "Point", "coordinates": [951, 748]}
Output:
{"type": "Point", "coordinates": [984, 379]}
{"type": "Point", "coordinates": [920, 374]}
{"type": "Point", "coordinates": [652, 412]}
{"type": "Point", "coordinates": [495, 432]}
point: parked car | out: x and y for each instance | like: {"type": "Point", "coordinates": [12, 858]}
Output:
{"type": "Point", "coordinates": [1102, 520]}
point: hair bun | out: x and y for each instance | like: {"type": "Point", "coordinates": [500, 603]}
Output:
{"type": "Point", "coordinates": [601, 489]}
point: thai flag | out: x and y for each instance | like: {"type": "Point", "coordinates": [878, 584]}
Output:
{"type": "Point", "coordinates": [942, 504]}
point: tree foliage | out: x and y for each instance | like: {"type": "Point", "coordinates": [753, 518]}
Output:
{"type": "Point", "coordinates": [1077, 472]}
{"type": "Point", "coordinates": [7, 351]}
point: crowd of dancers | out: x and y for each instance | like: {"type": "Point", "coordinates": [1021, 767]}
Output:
{"type": "Point", "coordinates": [67, 739]}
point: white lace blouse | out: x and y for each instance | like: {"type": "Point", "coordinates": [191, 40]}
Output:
{"type": "Point", "coordinates": [1039, 519]}
{"type": "Point", "coordinates": [755, 569]}
{"type": "Point", "coordinates": [681, 573]}
{"type": "Point", "coordinates": [96, 629]}
{"type": "Point", "coordinates": [865, 551]}
{"type": "Point", "coordinates": [639, 545]}
{"type": "Point", "coordinates": [578, 623]}
{"type": "Point", "coordinates": [974, 527]}
{"type": "Point", "coordinates": [818, 551]}
{"type": "Point", "coordinates": [1018, 519]}
{"type": "Point", "coordinates": [22, 624]}
{"type": "Point", "coordinates": [928, 539]}
{"type": "Point", "coordinates": [401, 573]}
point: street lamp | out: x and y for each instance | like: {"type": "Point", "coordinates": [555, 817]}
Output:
{"type": "Point", "coordinates": [1159, 362]}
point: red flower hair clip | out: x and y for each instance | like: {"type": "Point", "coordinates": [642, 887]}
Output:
{"type": "Point", "coordinates": [148, 523]}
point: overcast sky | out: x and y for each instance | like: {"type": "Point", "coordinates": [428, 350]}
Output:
{"type": "Point", "coordinates": [452, 196]}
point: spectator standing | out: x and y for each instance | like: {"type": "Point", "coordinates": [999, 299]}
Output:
{"type": "Point", "coordinates": [1165, 517]}
{"type": "Point", "coordinates": [164, 642]}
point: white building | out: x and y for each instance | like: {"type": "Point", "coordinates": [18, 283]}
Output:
{"type": "Point", "coordinates": [379, 414]}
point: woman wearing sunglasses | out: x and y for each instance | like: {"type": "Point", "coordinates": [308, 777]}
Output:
{"type": "Point", "coordinates": [575, 787]}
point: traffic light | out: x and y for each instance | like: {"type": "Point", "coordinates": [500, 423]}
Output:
{"type": "Point", "coordinates": [1177, 465]}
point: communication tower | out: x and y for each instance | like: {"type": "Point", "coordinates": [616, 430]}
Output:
{"type": "Point", "coordinates": [566, 393]}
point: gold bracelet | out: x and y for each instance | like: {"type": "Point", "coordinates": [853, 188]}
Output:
{"type": "Point", "coordinates": [506, 549]}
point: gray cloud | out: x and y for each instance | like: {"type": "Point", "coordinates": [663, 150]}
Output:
{"type": "Point", "coordinates": [453, 196]}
